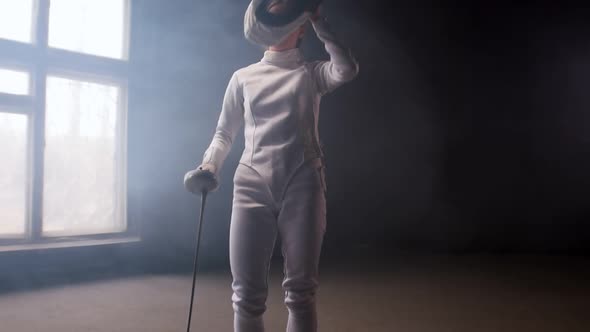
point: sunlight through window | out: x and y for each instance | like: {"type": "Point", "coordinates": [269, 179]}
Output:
{"type": "Point", "coordinates": [63, 120]}
{"type": "Point", "coordinates": [81, 174]}
{"type": "Point", "coordinates": [16, 20]}
{"type": "Point", "coordinates": [13, 174]}
{"type": "Point", "coordinates": [88, 26]}
{"type": "Point", "coordinates": [14, 82]}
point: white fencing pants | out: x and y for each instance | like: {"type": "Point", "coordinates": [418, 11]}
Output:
{"type": "Point", "coordinates": [299, 218]}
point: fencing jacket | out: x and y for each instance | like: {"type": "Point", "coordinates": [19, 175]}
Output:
{"type": "Point", "coordinates": [277, 100]}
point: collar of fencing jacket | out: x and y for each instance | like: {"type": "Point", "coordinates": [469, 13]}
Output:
{"type": "Point", "coordinates": [288, 58]}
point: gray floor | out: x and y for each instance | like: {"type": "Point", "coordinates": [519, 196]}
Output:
{"type": "Point", "coordinates": [412, 294]}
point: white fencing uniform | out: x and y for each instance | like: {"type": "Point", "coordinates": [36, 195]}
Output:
{"type": "Point", "coordinates": [279, 187]}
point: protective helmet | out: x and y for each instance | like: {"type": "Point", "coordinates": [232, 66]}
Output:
{"type": "Point", "coordinates": [265, 28]}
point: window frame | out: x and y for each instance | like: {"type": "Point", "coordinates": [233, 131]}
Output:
{"type": "Point", "coordinates": [41, 61]}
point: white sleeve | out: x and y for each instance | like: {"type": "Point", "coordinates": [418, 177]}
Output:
{"type": "Point", "coordinates": [342, 66]}
{"type": "Point", "coordinates": [230, 121]}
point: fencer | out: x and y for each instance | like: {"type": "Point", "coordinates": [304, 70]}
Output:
{"type": "Point", "coordinates": [279, 183]}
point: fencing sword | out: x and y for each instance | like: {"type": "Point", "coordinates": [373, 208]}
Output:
{"type": "Point", "coordinates": [201, 182]}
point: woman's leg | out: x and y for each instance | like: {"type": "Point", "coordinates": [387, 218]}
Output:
{"type": "Point", "coordinates": [252, 237]}
{"type": "Point", "coordinates": [302, 224]}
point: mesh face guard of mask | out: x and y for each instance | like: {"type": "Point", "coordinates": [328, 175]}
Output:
{"type": "Point", "coordinates": [293, 9]}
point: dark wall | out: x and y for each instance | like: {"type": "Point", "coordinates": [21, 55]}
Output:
{"type": "Point", "coordinates": [516, 156]}
{"type": "Point", "coordinates": [467, 128]}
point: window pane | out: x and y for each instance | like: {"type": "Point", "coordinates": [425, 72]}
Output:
{"type": "Point", "coordinates": [88, 26]}
{"type": "Point", "coordinates": [82, 184]}
{"type": "Point", "coordinates": [16, 17]}
{"type": "Point", "coordinates": [14, 82]}
{"type": "Point", "coordinates": [13, 174]}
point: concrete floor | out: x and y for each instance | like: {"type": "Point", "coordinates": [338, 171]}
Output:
{"type": "Point", "coordinates": [419, 294]}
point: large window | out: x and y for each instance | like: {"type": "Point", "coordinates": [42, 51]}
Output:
{"type": "Point", "coordinates": [63, 79]}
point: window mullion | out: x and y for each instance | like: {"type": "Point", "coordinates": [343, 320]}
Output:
{"type": "Point", "coordinates": [15, 103]}
{"type": "Point", "coordinates": [38, 119]}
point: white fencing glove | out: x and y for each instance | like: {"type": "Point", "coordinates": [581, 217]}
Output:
{"type": "Point", "coordinates": [202, 179]}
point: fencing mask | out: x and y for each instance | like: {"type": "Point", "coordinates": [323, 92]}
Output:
{"type": "Point", "coordinates": [268, 27]}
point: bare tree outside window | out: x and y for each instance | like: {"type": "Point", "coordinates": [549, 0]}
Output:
{"type": "Point", "coordinates": [81, 158]}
